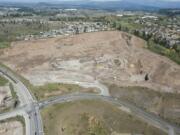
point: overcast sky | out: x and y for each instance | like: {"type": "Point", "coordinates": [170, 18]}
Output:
{"type": "Point", "coordinates": [82, 0]}
{"type": "Point", "coordinates": [85, 0]}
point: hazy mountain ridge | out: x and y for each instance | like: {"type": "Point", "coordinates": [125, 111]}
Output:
{"type": "Point", "coordinates": [113, 5]}
{"type": "Point", "coordinates": [107, 5]}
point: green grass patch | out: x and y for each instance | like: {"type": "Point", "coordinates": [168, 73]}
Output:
{"type": "Point", "coordinates": [126, 23]}
{"type": "Point", "coordinates": [5, 110]}
{"type": "Point", "coordinates": [17, 118]}
{"type": "Point", "coordinates": [170, 53]}
{"type": "Point", "coordinates": [3, 81]}
{"type": "Point", "coordinates": [14, 95]}
{"type": "Point", "coordinates": [150, 100]}
{"type": "Point", "coordinates": [4, 45]}
{"type": "Point", "coordinates": [130, 26]}
{"type": "Point", "coordinates": [15, 99]}
{"type": "Point", "coordinates": [92, 117]}
{"type": "Point", "coordinates": [54, 89]}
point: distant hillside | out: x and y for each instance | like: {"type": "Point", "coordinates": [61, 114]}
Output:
{"type": "Point", "coordinates": [106, 5]}
{"type": "Point", "coordinates": [109, 5]}
{"type": "Point", "coordinates": [157, 3]}
{"type": "Point", "coordinates": [170, 12]}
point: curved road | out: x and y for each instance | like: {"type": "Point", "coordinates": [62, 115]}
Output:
{"type": "Point", "coordinates": [30, 108]}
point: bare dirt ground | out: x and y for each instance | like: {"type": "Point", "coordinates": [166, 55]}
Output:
{"type": "Point", "coordinates": [11, 128]}
{"type": "Point", "coordinates": [111, 57]}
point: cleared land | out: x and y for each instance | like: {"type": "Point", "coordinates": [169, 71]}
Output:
{"type": "Point", "coordinates": [12, 126]}
{"type": "Point", "coordinates": [93, 118]}
{"type": "Point", "coordinates": [7, 95]}
{"type": "Point", "coordinates": [112, 57]}
{"type": "Point", "coordinates": [166, 105]}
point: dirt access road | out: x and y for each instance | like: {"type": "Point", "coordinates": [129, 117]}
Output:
{"type": "Point", "coordinates": [109, 57]}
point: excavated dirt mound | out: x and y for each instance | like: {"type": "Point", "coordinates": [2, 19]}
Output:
{"type": "Point", "coordinates": [110, 57]}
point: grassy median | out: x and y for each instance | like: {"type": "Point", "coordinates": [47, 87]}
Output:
{"type": "Point", "coordinates": [55, 89]}
{"type": "Point", "coordinates": [3, 81]}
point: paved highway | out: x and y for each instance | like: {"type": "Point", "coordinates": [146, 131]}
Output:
{"type": "Point", "coordinates": [28, 107]}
